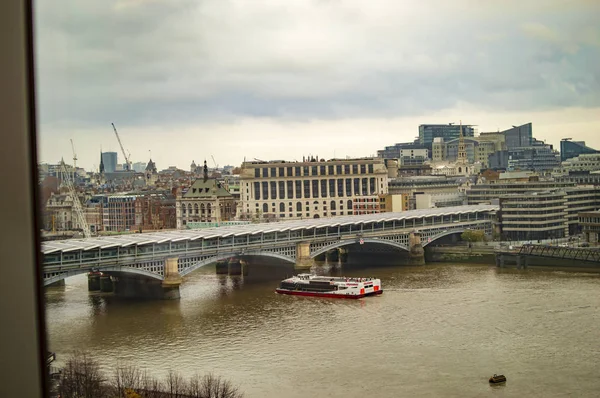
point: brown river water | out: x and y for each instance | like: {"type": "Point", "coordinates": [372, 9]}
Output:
{"type": "Point", "coordinates": [437, 331]}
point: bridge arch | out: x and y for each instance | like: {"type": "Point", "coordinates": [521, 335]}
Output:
{"type": "Point", "coordinates": [110, 268]}
{"type": "Point", "coordinates": [224, 256]}
{"type": "Point", "coordinates": [348, 242]}
{"type": "Point", "coordinates": [433, 238]}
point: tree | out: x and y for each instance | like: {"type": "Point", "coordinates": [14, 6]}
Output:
{"type": "Point", "coordinates": [473, 235]}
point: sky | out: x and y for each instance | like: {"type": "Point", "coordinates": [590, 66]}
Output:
{"type": "Point", "coordinates": [279, 79]}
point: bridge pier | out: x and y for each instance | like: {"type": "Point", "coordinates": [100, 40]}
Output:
{"type": "Point", "coordinates": [222, 267]}
{"type": "Point", "coordinates": [106, 285]}
{"type": "Point", "coordinates": [416, 253]}
{"type": "Point", "coordinates": [522, 262]}
{"type": "Point", "coordinates": [93, 282]}
{"type": "Point", "coordinates": [303, 259]}
{"type": "Point", "coordinates": [499, 261]}
{"type": "Point", "coordinates": [234, 266]}
{"type": "Point", "coordinates": [172, 279]}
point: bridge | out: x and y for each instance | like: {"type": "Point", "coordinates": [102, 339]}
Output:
{"type": "Point", "coordinates": [561, 255]}
{"type": "Point", "coordinates": [168, 256]}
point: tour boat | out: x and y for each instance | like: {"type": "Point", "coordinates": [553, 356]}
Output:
{"type": "Point", "coordinates": [330, 286]}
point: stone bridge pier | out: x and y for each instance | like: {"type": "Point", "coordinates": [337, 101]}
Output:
{"type": "Point", "coordinates": [303, 259]}
{"type": "Point", "coordinates": [416, 253]}
{"type": "Point", "coordinates": [172, 279]}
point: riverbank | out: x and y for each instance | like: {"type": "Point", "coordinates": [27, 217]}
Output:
{"type": "Point", "coordinates": [486, 254]}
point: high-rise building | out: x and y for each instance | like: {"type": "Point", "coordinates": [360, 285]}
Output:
{"type": "Point", "coordinates": [109, 159]}
{"type": "Point", "coordinates": [518, 136]}
{"type": "Point", "coordinates": [570, 149]}
{"type": "Point", "coordinates": [427, 132]}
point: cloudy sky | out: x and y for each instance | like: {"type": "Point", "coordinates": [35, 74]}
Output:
{"type": "Point", "coordinates": [279, 79]}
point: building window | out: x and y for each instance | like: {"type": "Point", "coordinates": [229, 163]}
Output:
{"type": "Point", "coordinates": [346, 169]}
{"type": "Point", "coordinates": [256, 173]}
{"type": "Point", "coordinates": [338, 169]}
{"type": "Point", "coordinates": [305, 171]}
{"type": "Point", "coordinates": [314, 170]}
{"type": "Point", "coordinates": [349, 206]}
{"type": "Point", "coordinates": [323, 188]}
{"type": "Point", "coordinates": [298, 189]}
{"type": "Point", "coordinates": [281, 208]}
{"type": "Point", "coordinates": [332, 205]}
{"type": "Point", "coordinates": [297, 170]}
{"type": "Point", "coordinates": [257, 189]}
{"type": "Point", "coordinates": [265, 172]}
{"type": "Point", "coordinates": [330, 170]}
{"type": "Point", "coordinates": [281, 189]}
{"type": "Point", "coordinates": [273, 190]}
{"type": "Point", "coordinates": [370, 168]}
{"type": "Point", "coordinates": [356, 185]}
{"type": "Point", "coordinates": [363, 169]}
{"type": "Point", "coordinates": [340, 187]}
{"type": "Point", "coordinates": [315, 188]}
{"type": "Point", "coordinates": [265, 208]}
{"type": "Point", "coordinates": [290, 172]}
{"type": "Point", "coordinates": [354, 169]}
{"type": "Point", "coordinates": [273, 172]}
{"type": "Point", "coordinates": [299, 206]}
{"type": "Point", "coordinates": [281, 172]}
{"type": "Point", "coordinates": [265, 190]}
{"type": "Point", "coordinates": [364, 186]}
{"type": "Point", "coordinates": [332, 188]}
{"type": "Point", "coordinates": [322, 170]}
{"type": "Point", "coordinates": [306, 189]}
{"type": "Point", "coordinates": [348, 187]}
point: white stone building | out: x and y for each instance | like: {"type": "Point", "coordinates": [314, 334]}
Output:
{"type": "Point", "coordinates": [309, 189]}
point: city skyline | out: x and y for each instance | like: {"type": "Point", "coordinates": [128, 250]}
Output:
{"type": "Point", "coordinates": [345, 78]}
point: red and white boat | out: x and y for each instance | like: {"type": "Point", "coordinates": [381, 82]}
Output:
{"type": "Point", "coordinates": [330, 286]}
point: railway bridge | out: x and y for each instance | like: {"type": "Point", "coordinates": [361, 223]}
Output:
{"type": "Point", "coordinates": [166, 257]}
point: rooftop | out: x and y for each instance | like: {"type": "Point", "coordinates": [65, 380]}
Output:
{"type": "Point", "coordinates": [251, 229]}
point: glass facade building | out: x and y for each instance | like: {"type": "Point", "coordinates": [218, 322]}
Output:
{"type": "Point", "coordinates": [518, 136]}
{"type": "Point", "coordinates": [427, 132]}
{"type": "Point", "coordinates": [109, 159]}
{"type": "Point", "coordinates": [570, 149]}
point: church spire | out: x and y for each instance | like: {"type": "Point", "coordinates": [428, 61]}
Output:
{"type": "Point", "coordinates": [205, 172]}
{"type": "Point", "coordinates": [101, 163]}
{"type": "Point", "coordinates": [462, 152]}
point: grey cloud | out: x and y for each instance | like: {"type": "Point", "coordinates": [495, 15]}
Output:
{"type": "Point", "coordinates": [188, 62]}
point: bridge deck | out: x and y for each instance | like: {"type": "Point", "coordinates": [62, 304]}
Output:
{"type": "Point", "coordinates": [444, 215]}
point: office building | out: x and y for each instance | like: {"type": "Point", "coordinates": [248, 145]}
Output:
{"type": "Point", "coordinates": [518, 136]}
{"type": "Point", "coordinates": [531, 216]}
{"type": "Point", "coordinates": [428, 132]}
{"type": "Point", "coordinates": [109, 160]}
{"type": "Point", "coordinates": [311, 188]}
{"type": "Point", "coordinates": [404, 150]}
{"type": "Point", "coordinates": [570, 149]}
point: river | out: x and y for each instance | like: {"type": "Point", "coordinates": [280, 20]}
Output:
{"type": "Point", "coordinates": [437, 331]}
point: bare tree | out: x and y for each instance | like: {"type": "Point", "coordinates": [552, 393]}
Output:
{"type": "Point", "coordinates": [212, 386]}
{"type": "Point", "coordinates": [125, 377]}
{"type": "Point", "coordinates": [175, 384]}
{"type": "Point", "coordinates": [81, 378]}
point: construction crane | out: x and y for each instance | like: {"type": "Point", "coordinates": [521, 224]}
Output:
{"type": "Point", "coordinates": [127, 161]}
{"type": "Point", "coordinates": [74, 161]}
{"type": "Point", "coordinates": [76, 203]}
{"type": "Point", "coordinates": [216, 165]}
